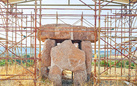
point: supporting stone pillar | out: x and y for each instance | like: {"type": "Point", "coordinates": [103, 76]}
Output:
{"type": "Point", "coordinates": [55, 75]}
{"type": "Point", "coordinates": [45, 56]}
{"type": "Point", "coordinates": [80, 78]}
{"type": "Point", "coordinates": [87, 48]}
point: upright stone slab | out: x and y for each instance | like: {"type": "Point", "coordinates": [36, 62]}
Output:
{"type": "Point", "coordinates": [87, 48]}
{"type": "Point", "coordinates": [80, 78]}
{"type": "Point", "coordinates": [55, 75]}
{"type": "Point", "coordinates": [67, 57]}
{"type": "Point", "coordinates": [45, 55]}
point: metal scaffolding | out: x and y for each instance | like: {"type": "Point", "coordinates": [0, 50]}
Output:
{"type": "Point", "coordinates": [115, 52]}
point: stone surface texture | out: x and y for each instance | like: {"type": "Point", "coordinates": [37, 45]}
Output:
{"type": "Point", "coordinates": [55, 75]}
{"type": "Point", "coordinates": [67, 57]}
{"type": "Point", "coordinates": [80, 77]}
{"type": "Point", "coordinates": [83, 33]}
{"type": "Point", "coordinates": [66, 31]}
{"type": "Point", "coordinates": [45, 56]}
{"type": "Point", "coordinates": [87, 48]}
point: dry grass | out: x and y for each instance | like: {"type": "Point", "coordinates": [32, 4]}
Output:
{"type": "Point", "coordinates": [112, 74]}
{"type": "Point", "coordinates": [19, 70]}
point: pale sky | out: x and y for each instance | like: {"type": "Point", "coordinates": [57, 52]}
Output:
{"type": "Point", "coordinates": [68, 21]}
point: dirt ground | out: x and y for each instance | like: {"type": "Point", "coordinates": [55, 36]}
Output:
{"type": "Point", "coordinates": [110, 74]}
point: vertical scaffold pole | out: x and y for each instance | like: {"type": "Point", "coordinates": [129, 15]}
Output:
{"type": "Point", "coordinates": [129, 44]}
{"type": "Point", "coordinates": [95, 33]}
{"type": "Point", "coordinates": [82, 19]}
{"type": "Point", "coordinates": [99, 43]}
{"type": "Point", "coordinates": [57, 19]}
{"type": "Point", "coordinates": [7, 38]}
{"type": "Point", "coordinates": [35, 57]}
{"type": "Point", "coordinates": [40, 43]}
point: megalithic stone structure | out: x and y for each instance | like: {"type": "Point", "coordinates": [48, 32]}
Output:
{"type": "Point", "coordinates": [66, 56]}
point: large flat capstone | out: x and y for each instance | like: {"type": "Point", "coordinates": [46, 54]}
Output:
{"type": "Point", "coordinates": [66, 31]}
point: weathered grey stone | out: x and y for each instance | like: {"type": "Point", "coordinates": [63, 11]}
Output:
{"type": "Point", "coordinates": [45, 55]}
{"type": "Point", "coordinates": [86, 47]}
{"type": "Point", "coordinates": [80, 77]}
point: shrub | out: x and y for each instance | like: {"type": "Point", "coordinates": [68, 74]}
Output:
{"type": "Point", "coordinates": [104, 63]}
{"type": "Point", "coordinates": [119, 64]}
{"type": "Point", "coordinates": [2, 62]}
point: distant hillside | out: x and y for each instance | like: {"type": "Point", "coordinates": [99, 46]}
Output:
{"type": "Point", "coordinates": [18, 50]}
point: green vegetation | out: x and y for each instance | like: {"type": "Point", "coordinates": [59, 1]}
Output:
{"type": "Point", "coordinates": [123, 64]}
{"type": "Point", "coordinates": [2, 62]}
{"type": "Point", "coordinates": [28, 64]}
